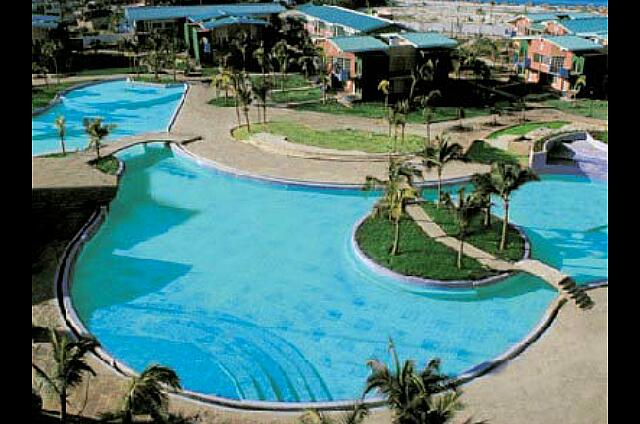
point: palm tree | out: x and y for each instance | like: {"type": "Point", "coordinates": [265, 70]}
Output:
{"type": "Point", "coordinates": [438, 156]}
{"type": "Point", "coordinates": [61, 126]}
{"type": "Point", "coordinates": [261, 92]}
{"type": "Point", "coordinates": [146, 395]}
{"type": "Point", "coordinates": [97, 132]}
{"type": "Point", "coordinates": [411, 393]}
{"type": "Point", "coordinates": [580, 82]}
{"type": "Point", "coordinates": [399, 191]}
{"type": "Point", "coordinates": [383, 86]}
{"type": "Point", "coordinates": [483, 189]}
{"type": "Point", "coordinates": [156, 53]}
{"type": "Point", "coordinates": [467, 208]}
{"type": "Point", "coordinates": [505, 179]}
{"type": "Point", "coordinates": [402, 110]}
{"type": "Point", "coordinates": [51, 50]}
{"type": "Point", "coordinates": [280, 52]}
{"type": "Point", "coordinates": [308, 64]}
{"type": "Point", "coordinates": [428, 110]}
{"type": "Point", "coordinates": [237, 79]}
{"type": "Point", "coordinates": [240, 42]}
{"type": "Point", "coordinates": [424, 72]}
{"type": "Point", "coordinates": [223, 82]}
{"type": "Point", "coordinates": [70, 366]}
{"type": "Point", "coordinates": [245, 96]}
{"type": "Point", "coordinates": [260, 55]}
{"type": "Point", "coordinates": [392, 120]}
{"type": "Point", "coordinates": [355, 416]}
{"type": "Point", "coordinates": [324, 77]}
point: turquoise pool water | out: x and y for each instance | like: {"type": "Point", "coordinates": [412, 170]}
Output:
{"type": "Point", "coordinates": [251, 290]}
{"type": "Point", "coordinates": [134, 108]}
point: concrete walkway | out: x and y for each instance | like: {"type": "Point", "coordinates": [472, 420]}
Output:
{"type": "Point", "coordinates": [532, 266]}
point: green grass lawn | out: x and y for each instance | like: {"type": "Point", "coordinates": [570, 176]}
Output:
{"type": "Point", "coordinates": [162, 79]}
{"type": "Point", "coordinates": [221, 101]}
{"type": "Point", "coordinates": [598, 109]}
{"type": "Point", "coordinates": [340, 139]}
{"type": "Point", "coordinates": [296, 95]}
{"type": "Point", "coordinates": [376, 110]}
{"type": "Point", "coordinates": [42, 95]}
{"type": "Point", "coordinates": [107, 164]}
{"type": "Point", "coordinates": [482, 152]}
{"type": "Point", "coordinates": [523, 129]}
{"type": "Point", "coordinates": [601, 136]}
{"type": "Point", "coordinates": [487, 239]}
{"type": "Point", "coordinates": [291, 81]}
{"type": "Point", "coordinates": [418, 255]}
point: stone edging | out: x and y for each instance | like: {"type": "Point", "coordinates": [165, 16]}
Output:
{"type": "Point", "coordinates": [174, 117]}
{"type": "Point", "coordinates": [63, 278]}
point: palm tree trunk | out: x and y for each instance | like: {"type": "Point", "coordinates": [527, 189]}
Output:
{"type": "Point", "coordinates": [505, 225]}
{"type": "Point", "coordinates": [428, 133]}
{"type": "Point", "coordinates": [238, 110]}
{"type": "Point", "coordinates": [63, 405]}
{"type": "Point", "coordinates": [439, 188]}
{"type": "Point", "coordinates": [487, 217]}
{"type": "Point", "coordinates": [98, 148]}
{"type": "Point", "coordinates": [264, 111]}
{"type": "Point", "coordinates": [246, 118]}
{"type": "Point", "coordinates": [64, 152]}
{"type": "Point", "coordinates": [396, 239]}
{"type": "Point", "coordinates": [403, 134]}
{"type": "Point", "coordinates": [460, 252]}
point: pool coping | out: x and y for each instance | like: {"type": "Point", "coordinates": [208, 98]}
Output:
{"type": "Point", "coordinates": [63, 278]}
{"type": "Point", "coordinates": [430, 282]}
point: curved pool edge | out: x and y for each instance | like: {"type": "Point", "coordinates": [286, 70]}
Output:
{"type": "Point", "coordinates": [429, 282]}
{"type": "Point", "coordinates": [63, 278]}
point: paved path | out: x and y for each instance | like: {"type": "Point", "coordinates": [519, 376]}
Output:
{"type": "Point", "coordinates": [532, 266]}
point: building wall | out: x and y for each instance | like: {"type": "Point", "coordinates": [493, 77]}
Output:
{"type": "Point", "coordinates": [332, 53]}
{"type": "Point", "coordinates": [521, 26]}
{"type": "Point", "coordinates": [545, 48]}
{"type": "Point", "coordinates": [554, 29]}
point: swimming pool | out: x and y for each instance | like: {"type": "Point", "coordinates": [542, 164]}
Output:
{"type": "Point", "coordinates": [251, 290]}
{"type": "Point", "coordinates": [135, 108]}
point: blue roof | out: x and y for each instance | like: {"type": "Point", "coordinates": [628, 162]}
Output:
{"type": "Point", "coordinates": [573, 43]}
{"type": "Point", "coordinates": [586, 26]}
{"type": "Point", "coordinates": [359, 43]}
{"type": "Point", "coordinates": [426, 40]}
{"type": "Point", "coordinates": [44, 21]}
{"type": "Point", "coordinates": [232, 20]}
{"type": "Point", "coordinates": [541, 17]}
{"type": "Point", "coordinates": [150, 13]}
{"type": "Point", "coordinates": [345, 17]}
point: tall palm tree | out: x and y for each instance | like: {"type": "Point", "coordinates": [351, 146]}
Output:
{"type": "Point", "coordinates": [420, 73]}
{"type": "Point", "coordinates": [223, 81]}
{"type": "Point", "coordinates": [428, 110]}
{"type": "Point", "coordinates": [465, 210]}
{"type": "Point", "coordinates": [281, 52]}
{"type": "Point", "coordinates": [438, 156]}
{"type": "Point", "coordinates": [146, 395]}
{"type": "Point", "coordinates": [398, 192]}
{"type": "Point", "coordinates": [237, 79]}
{"type": "Point", "coordinates": [61, 126]}
{"type": "Point", "coordinates": [96, 132]}
{"type": "Point", "coordinates": [260, 55]}
{"type": "Point", "coordinates": [409, 392]}
{"type": "Point", "coordinates": [70, 366]}
{"type": "Point", "coordinates": [505, 179]}
{"type": "Point", "coordinates": [240, 43]}
{"type": "Point", "coordinates": [308, 64]}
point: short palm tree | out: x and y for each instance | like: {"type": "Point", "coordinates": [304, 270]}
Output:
{"type": "Point", "coordinates": [411, 393]}
{"type": "Point", "coordinates": [70, 366]}
{"type": "Point", "coordinates": [146, 395]}
{"type": "Point", "coordinates": [465, 210]}
{"type": "Point", "coordinates": [97, 132]}
{"type": "Point", "coordinates": [428, 110]}
{"type": "Point", "coordinates": [398, 192]}
{"type": "Point", "coordinates": [245, 96]}
{"type": "Point", "coordinates": [579, 83]}
{"type": "Point", "coordinates": [383, 86]}
{"type": "Point", "coordinates": [438, 156]}
{"type": "Point", "coordinates": [505, 179]}
{"type": "Point", "coordinates": [61, 126]}
{"type": "Point", "coordinates": [402, 111]}
{"type": "Point", "coordinates": [483, 189]}
{"type": "Point", "coordinates": [261, 92]}
{"type": "Point", "coordinates": [355, 416]}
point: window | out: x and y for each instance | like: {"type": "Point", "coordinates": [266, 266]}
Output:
{"type": "Point", "coordinates": [537, 58]}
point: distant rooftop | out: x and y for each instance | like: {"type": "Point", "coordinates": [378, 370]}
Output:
{"type": "Point", "coordinates": [427, 40]}
{"type": "Point", "coordinates": [573, 43]}
{"type": "Point", "coordinates": [345, 17]}
{"type": "Point", "coordinates": [359, 43]}
{"type": "Point", "coordinates": [151, 13]}
{"type": "Point", "coordinates": [542, 17]}
{"type": "Point", "coordinates": [232, 20]}
{"type": "Point", "coordinates": [586, 26]}
{"type": "Point", "coordinates": [44, 21]}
